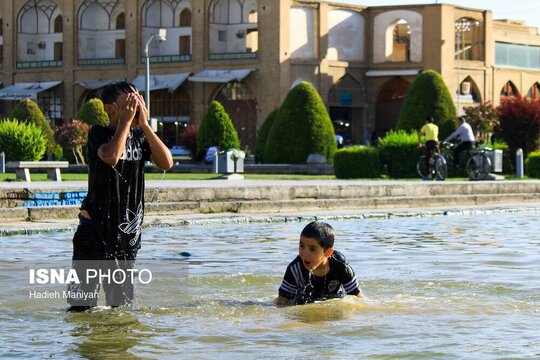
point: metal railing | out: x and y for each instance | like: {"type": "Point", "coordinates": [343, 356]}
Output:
{"type": "Point", "coordinates": [232, 56]}
{"type": "Point", "coordinates": [101, 62]}
{"type": "Point", "coordinates": [164, 59]}
{"type": "Point", "coordinates": [39, 64]}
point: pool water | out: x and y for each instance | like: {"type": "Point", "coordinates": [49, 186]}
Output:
{"type": "Point", "coordinates": [443, 287]}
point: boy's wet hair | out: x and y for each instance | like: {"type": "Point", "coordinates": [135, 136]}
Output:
{"type": "Point", "coordinates": [110, 92]}
{"type": "Point", "coordinates": [322, 232]}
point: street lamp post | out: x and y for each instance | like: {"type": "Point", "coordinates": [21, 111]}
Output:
{"type": "Point", "coordinates": [160, 36]}
{"type": "Point", "coordinates": [462, 25]}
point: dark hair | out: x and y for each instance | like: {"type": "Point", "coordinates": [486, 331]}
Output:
{"type": "Point", "coordinates": [110, 92]}
{"type": "Point", "coordinates": [430, 119]}
{"type": "Point", "coordinates": [320, 231]}
{"type": "Point", "coordinates": [462, 118]}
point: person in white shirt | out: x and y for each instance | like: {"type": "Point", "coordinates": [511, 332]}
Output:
{"type": "Point", "coordinates": [466, 139]}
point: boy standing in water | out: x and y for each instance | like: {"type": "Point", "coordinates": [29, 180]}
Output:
{"type": "Point", "coordinates": [319, 272]}
{"type": "Point", "coordinates": [112, 213]}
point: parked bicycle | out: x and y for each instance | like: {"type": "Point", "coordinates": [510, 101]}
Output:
{"type": "Point", "coordinates": [478, 165]}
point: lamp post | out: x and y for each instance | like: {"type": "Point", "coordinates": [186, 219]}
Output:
{"type": "Point", "coordinates": [160, 36]}
{"type": "Point", "coordinates": [462, 25]}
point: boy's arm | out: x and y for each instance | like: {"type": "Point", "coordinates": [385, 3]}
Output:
{"type": "Point", "coordinates": [160, 154]}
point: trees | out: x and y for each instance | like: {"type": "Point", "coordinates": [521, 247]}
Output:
{"type": "Point", "coordinates": [93, 113]}
{"type": "Point", "coordinates": [428, 96]}
{"type": "Point", "coordinates": [29, 112]}
{"type": "Point", "coordinates": [302, 127]}
{"type": "Point", "coordinates": [483, 120]}
{"type": "Point", "coordinates": [73, 136]}
{"type": "Point", "coordinates": [262, 135]}
{"type": "Point", "coordinates": [217, 129]}
{"type": "Point", "coordinates": [520, 123]}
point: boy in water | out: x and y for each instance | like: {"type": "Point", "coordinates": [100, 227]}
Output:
{"type": "Point", "coordinates": [319, 272]}
{"type": "Point", "coordinates": [111, 216]}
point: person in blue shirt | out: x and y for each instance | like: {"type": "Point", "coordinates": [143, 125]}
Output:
{"type": "Point", "coordinates": [318, 272]}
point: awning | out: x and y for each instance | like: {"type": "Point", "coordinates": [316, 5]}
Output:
{"type": "Point", "coordinates": [220, 76]}
{"type": "Point", "coordinates": [19, 91]}
{"type": "Point", "coordinates": [94, 84]}
{"type": "Point", "coordinates": [170, 82]}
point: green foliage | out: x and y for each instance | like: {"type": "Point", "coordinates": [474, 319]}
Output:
{"type": "Point", "coordinates": [29, 112]}
{"type": "Point", "coordinates": [93, 113]}
{"type": "Point", "coordinates": [21, 141]}
{"type": "Point", "coordinates": [357, 162]}
{"type": "Point", "coordinates": [483, 120]}
{"type": "Point", "coordinates": [532, 165]}
{"type": "Point", "coordinates": [428, 96]}
{"type": "Point", "coordinates": [520, 123]}
{"type": "Point", "coordinates": [399, 152]}
{"type": "Point", "coordinates": [262, 135]}
{"type": "Point", "coordinates": [302, 127]}
{"type": "Point", "coordinates": [217, 130]}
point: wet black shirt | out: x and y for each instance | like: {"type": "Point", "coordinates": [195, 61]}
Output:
{"type": "Point", "coordinates": [303, 286]}
{"type": "Point", "coordinates": [115, 199]}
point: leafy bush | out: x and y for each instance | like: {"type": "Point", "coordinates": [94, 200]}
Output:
{"type": "Point", "coordinates": [21, 141]}
{"type": "Point", "coordinates": [399, 152]}
{"type": "Point", "coordinates": [73, 136]}
{"type": "Point", "coordinates": [188, 139]}
{"type": "Point", "coordinates": [428, 96]}
{"type": "Point", "coordinates": [302, 127]}
{"type": "Point", "coordinates": [520, 124]}
{"type": "Point", "coordinates": [532, 165]}
{"type": "Point", "coordinates": [262, 135]}
{"type": "Point", "coordinates": [217, 130]}
{"type": "Point", "coordinates": [29, 112]}
{"type": "Point", "coordinates": [357, 162]}
{"type": "Point", "coordinates": [483, 120]}
{"type": "Point", "coordinates": [93, 113]}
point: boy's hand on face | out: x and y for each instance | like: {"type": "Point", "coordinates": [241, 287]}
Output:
{"type": "Point", "coordinates": [126, 106]}
{"type": "Point", "coordinates": [142, 112]}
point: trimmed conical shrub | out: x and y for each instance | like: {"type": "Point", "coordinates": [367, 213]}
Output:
{"type": "Point", "coordinates": [93, 113]}
{"type": "Point", "coordinates": [302, 127]}
{"type": "Point", "coordinates": [262, 135]}
{"type": "Point", "coordinates": [29, 112]}
{"type": "Point", "coordinates": [21, 141]}
{"type": "Point", "coordinates": [428, 96]}
{"type": "Point", "coordinates": [217, 130]}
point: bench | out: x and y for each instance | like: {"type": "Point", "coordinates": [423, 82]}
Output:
{"type": "Point", "coordinates": [22, 168]}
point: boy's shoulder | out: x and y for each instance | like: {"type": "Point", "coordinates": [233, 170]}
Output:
{"type": "Point", "coordinates": [338, 259]}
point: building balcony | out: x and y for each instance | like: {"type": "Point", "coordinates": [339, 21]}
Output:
{"type": "Point", "coordinates": [39, 64]}
{"type": "Point", "coordinates": [232, 56]}
{"type": "Point", "coordinates": [165, 59]}
{"type": "Point", "coordinates": [101, 62]}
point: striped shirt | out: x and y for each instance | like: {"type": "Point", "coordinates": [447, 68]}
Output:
{"type": "Point", "coordinates": [302, 286]}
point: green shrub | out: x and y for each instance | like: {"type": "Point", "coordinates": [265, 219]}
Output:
{"type": "Point", "coordinates": [399, 152]}
{"type": "Point", "coordinates": [29, 112]}
{"type": "Point", "coordinates": [217, 129]}
{"type": "Point", "coordinates": [532, 165]}
{"type": "Point", "coordinates": [21, 141]}
{"type": "Point", "coordinates": [302, 127]}
{"type": "Point", "coordinates": [428, 96]}
{"type": "Point", "coordinates": [357, 162]}
{"type": "Point", "coordinates": [93, 113]}
{"type": "Point", "coordinates": [262, 135]}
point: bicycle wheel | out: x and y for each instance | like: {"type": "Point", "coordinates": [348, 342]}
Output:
{"type": "Point", "coordinates": [441, 170]}
{"type": "Point", "coordinates": [478, 166]}
{"type": "Point", "coordinates": [421, 167]}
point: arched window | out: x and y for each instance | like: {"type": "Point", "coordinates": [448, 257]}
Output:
{"type": "Point", "coordinates": [185, 18]}
{"type": "Point", "coordinates": [58, 24]}
{"type": "Point", "coordinates": [401, 41]}
{"type": "Point", "coordinates": [469, 39]}
{"type": "Point", "coordinates": [1, 27]}
{"type": "Point", "coordinates": [121, 21]}
{"type": "Point", "coordinates": [534, 92]}
{"type": "Point", "coordinates": [252, 19]}
{"type": "Point", "coordinates": [509, 89]}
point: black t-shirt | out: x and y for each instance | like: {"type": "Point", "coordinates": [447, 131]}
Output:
{"type": "Point", "coordinates": [302, 286]}
{"type": "Point", "coordinates": [115, 199]}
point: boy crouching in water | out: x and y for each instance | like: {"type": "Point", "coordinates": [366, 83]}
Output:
{"type": "Point", "coordinates": [319, 272]}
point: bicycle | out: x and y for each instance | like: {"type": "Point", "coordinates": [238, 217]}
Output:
{"type": "Point", "coordinates": [439, 170]}
{"type": "Point", "coordinates": [478, 164]}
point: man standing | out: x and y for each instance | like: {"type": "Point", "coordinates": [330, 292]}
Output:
{"type": "Point", "coordinates": [466, 138]}
{"type": "Point", "coordinates": [112, 213]}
